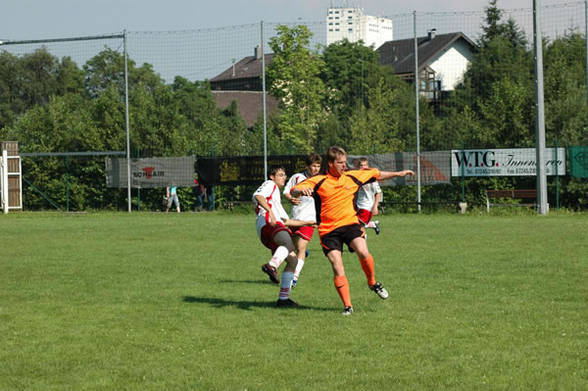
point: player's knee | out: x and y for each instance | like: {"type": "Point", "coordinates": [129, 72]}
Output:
{"type": "Point", "coordinates": [292, 259]}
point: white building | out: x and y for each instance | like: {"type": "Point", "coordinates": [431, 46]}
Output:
{"type": "Point", "coordinates": [443, 60]}
{"type": "Point", "coordinates": [352, 24]}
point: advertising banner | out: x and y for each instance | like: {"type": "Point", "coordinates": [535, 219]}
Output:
{"type": "Point", "coordinates": [244, 170]}
{"type": "Point", "coordinates": [435, 166]}
{"type": "Point", "coordinates": [505, 162]}
{"type": "Point", "coordinates": [151, 172]}
{"type": "Point", "coordinates": [579, 162]}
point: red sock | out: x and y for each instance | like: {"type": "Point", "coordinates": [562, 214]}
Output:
{"type": "Point", "coordinates": [367, 265]}
{"type": "Point", "coordinates": [342, 287]}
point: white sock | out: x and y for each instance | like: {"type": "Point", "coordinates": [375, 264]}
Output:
{"type": "Point", "coordinates": [279, 255]}
{"type": "Point", "coordinates": [299, 267]}
{"type": "Point", "coordinates": [285, 285]}
{"type": "Point", "coordinates": [371, 224]}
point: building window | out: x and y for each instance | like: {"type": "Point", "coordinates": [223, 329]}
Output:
{"type": "Point", "coordinates": [350, 30]}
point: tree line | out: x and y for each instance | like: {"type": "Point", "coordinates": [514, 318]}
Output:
{"type": "Point", "coordinates": [335, 95]}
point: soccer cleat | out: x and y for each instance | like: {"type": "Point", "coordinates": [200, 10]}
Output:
{"type": "Point", "coordinates": [286, 303]}
{"type": "Point", "coordinates": [347, 311]}
{"type": "Point", "coordinates": [271, 272]}
{"type": "Point", "coordinates": [294, 282]}
{"type": "Point", "coordinates": [377, 227]}
{"type": "Point", "coordinates": [380, 290]}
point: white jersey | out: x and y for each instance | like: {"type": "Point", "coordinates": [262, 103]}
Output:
{"type": "Point", "coordinates": [366, 196]}
{"type": "Point", "coordinates": [270, 191]}
{"type": "Point", "coordinates": [305, 209]}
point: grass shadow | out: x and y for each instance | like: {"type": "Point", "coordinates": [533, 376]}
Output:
{"type": "Point", "coordinates": [264, 282]}
{"type": "Point", "coordinates": [247, 305]}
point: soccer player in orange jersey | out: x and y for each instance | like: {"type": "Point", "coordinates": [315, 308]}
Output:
{"type": "Point", "coordinates": [334, 193]}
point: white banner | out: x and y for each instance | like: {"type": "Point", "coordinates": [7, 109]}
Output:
{"type": "Point", "coordinates": [505, 162]}
{"type": "Point", "coordinates": [151, 172]}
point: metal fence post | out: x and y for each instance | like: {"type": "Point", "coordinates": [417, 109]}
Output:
{"type": "Point", "coordinates": [67, 183]}
{"type": "Point", "coordinates": [127, 121]}
{"type": "Point", "coordinates": [264, 104]}
{"type": "Point", "coordinates": [540, 111]}
{"type": "Point", "coordinates": [416, 96]}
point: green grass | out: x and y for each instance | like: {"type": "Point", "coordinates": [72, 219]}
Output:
{"type": "Point", "coordinates": [149, 301]}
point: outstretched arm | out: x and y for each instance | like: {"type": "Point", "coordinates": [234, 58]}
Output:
{"type": "Point", "coordinates": [384, 175]}
{"type": "Point", "coordinates": [298, 223]}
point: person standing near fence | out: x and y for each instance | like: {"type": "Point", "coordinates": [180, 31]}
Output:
{"type": "Point", "coordinates": [171, 192]}
{"type": "Point", "coordinates": [335, 192]}
{"type": "Point", "coordinates": [368, 198]}
{"type": "Point", "coordinates": [198, 191]}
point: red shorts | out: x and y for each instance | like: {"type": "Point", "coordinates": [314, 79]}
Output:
{"type": "Point", "coordinates": [267, 235]}
{"type": "Point", "coordinates": [364, 215]}
{"type": "Point", "coordinates": [304, 232]}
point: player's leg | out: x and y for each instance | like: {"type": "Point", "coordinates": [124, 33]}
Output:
{"type": "Point", "coordinates": [367, 264]}
{"type": "Point", "coordinates": [301, 245]}
{"type": "Point", "coordinates": [177, 202]}
{"type": "Point", "coordinates": [283, 239]}
{"type": "Point", "coordinates": [169, 203]}
{"type": "Point", "coordinates": [332, 244]}
{"type": "Point", "coordinates": [340, 280]}
{"type": "Point", "coordinates": [279, 253]}
{"type": "Point", "coordinates": [375, 225]}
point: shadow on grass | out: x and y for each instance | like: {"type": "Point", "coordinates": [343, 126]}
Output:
{"type": "Point", "coordinates": [246, 304]}
{"type": "Point", "coordinates": [265, 282]}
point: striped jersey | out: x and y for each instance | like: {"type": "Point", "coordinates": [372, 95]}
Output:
{"type": "Point", "coordinates": [335, 198]}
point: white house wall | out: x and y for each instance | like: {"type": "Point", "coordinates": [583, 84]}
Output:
{"type": "Point", "coordinates": [352, 24]}
{"type": "Point", "coordinates": [451, 64]}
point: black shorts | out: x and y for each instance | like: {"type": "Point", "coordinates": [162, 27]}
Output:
{"type": "Point", "coordinates": [334, 240]}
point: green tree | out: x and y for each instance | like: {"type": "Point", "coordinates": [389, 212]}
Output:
{"type": "Point", "coordinates": [350, 70]}
{"type": "Point", "coordinates": [377, 127]}
{"type": "Point", "coordinates": [32, 79]}
{"type": "Point", "coordinates": [11, 102]}
{"type": "Point", "coordinates": [497, 90]}
{"type": "Point", "coordinates": [566, 114]}
{"type": "Point", "coordinates": [294, 79]}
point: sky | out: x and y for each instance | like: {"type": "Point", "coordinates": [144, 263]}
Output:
{"type": "Point", "coordinates": [42, 19]}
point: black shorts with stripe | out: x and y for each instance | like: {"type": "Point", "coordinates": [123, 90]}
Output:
{"type": "Point", "coordinates": [334, 240]}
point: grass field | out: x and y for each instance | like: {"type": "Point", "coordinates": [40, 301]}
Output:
{"type": "Point", "coordinates": [149, 301]}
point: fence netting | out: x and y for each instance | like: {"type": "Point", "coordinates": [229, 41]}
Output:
{"type": "Point", "coordinates": [199, 93]}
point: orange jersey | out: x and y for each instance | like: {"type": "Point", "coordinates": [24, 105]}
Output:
{"type": "Point", "coordinates": [334, 198]}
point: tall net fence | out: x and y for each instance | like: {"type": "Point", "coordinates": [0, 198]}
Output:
{"type": "Point", "coordinates": [199, 93]}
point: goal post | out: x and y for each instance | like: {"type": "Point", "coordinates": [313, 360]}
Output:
{"type": "Point", "coordinates": [10, 177]}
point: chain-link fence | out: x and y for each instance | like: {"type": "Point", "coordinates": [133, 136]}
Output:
{"type": "Point", "coordinates": [72, 92]}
